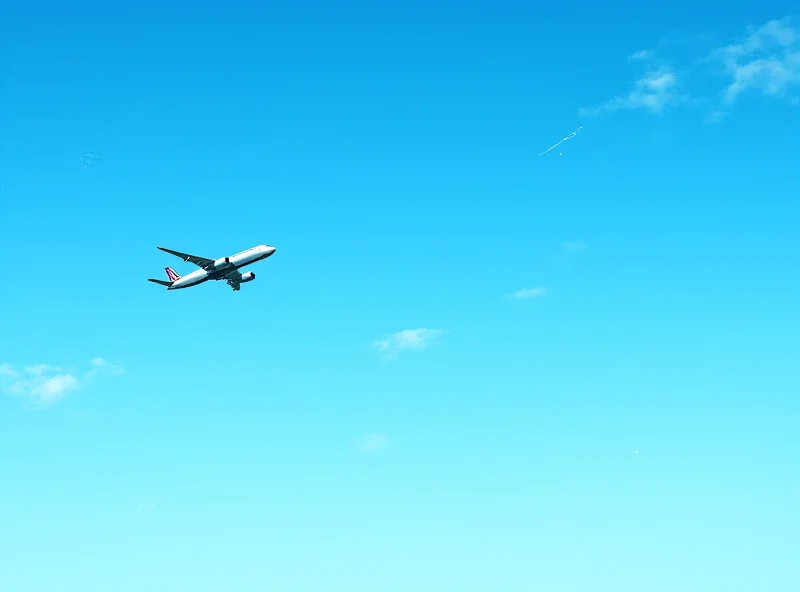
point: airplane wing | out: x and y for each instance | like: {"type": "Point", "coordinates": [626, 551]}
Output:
{"type": "Point", "coordinates": [234, 279]}
{"type": "Point", "coordinates": [199, 261]}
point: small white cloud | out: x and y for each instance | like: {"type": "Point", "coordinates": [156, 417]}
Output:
{"type": "Point", "coordinates": [372, 443]}
{"type": "Point", "coordinates": [654, 91]}
{"type": "Point", "coordinates": [570, 249]}
{"type": "Point", "coordinates": [574, 246]}
{"type": "Point", "coordinates": [775, 33]}
{"type": "Point", "coordinates": [644, 54]}
{"type": "Point", "coordinates": [409, 339]}
{"type": "Point", "coordinates": [46, 384]}
{"type": "Point", "coordinates": [37, 370]}
{"type": "Point", "coordinates": [50, 389]}
{"type": "Point", "coordinates": [41, 383]}
{"type": "Point", "coordinates": [716, 116]}
{"type": "Point", "coordinates": [101, 366]}
{"type": "Point", "coordinates": [529, 293]}
{"type": "Point", "coordinates": [767, 59]}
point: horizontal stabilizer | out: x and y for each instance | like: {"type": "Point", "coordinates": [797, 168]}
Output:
{"type": "Point", "coordinates": [162, 282]}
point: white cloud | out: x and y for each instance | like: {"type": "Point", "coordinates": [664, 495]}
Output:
{"type": "Point", "coordinates": [37, 370]}
{"type": "Point", "coordinates": [409, 339]}
{"type": "Point", "coordinates": [644, 54]}
{"type": "Point", "coordinates": [529, 293]}
{"type": "Point", "coordinates": [51, 388]}
{"type": "Point", "coordinates": [569, 250]}
{"type": "Point", "coordinates": [102, 366]}
{"type": "Point", "coordinates": [574, 246]}
{"type": "Point", "coordinates": [716, 116]}
{"type": "Point", "coordinates": [371, 443]}
{"type": "Point", "coordinates": [46, 384]}
{"type": "Point", "coordinates": [41, 383]}
{"type": "Point", "coordinates": [654, 91]}
{"type": "Point", "coordinates": [767, 59]}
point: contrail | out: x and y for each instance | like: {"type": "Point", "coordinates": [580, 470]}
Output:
{"type": "Point", "coordinates": [572, 135]}
{"type": "Point", "coordinates": [147, 507]}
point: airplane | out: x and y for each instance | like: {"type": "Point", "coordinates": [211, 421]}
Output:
{"type": "Point", "coordinates": [224, 268]}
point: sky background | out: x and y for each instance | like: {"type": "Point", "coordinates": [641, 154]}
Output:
{"type": "Point", "coordinates": [290, 436]}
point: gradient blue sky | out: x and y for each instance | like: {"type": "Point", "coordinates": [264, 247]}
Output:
{"type": "Point", "coordinates": [390, 154]}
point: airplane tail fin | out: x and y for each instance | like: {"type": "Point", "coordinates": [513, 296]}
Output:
{"type": "Point", "coordinates": [172, 274]}
{"type": "Point", "coordinates": [162, 282]}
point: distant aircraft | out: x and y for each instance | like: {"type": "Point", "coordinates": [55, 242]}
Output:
{"type": "Point", "coordinates": [224, 268]}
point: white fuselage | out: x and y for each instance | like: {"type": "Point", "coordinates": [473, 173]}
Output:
{"type": "Point", "coordinates": [223, 266]}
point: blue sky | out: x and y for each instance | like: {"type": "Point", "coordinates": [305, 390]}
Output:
{"type": "Point", "coordinates": [440, 379]}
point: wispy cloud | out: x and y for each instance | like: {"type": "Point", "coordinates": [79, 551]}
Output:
{"type": "Point", "coordinates": [371, 443]}
{"type": "Point", "coordinates": [102, 366]}
{"type": "Point", "coordinates": [45, 384]}
{"type": "Point", "coordinates": [409, 339]}
{"type": "Point", "coordinates": [569, 250]}
{"type": "Point", "coordinates": [527, 293]}
{"type": "Point", "coordinates": [574, 246]}
{"type": "Point", "coordinates": [41, 383]}
{"type": "Point", "coordinates": [716, 116]}
{"type": "Point", "coordinates": [654, 91]}
{"type": "Point", "coordinates": [644, 54]}
{"type": "Point", "coordinates": [766, 59]}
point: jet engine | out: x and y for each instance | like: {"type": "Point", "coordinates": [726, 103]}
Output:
{"type": "Point", "coordinates": [248, 277]}
{"type": "Point", "coordinates": [222, 262]}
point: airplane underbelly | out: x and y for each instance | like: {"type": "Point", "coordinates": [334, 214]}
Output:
{"type": "Point", "coordinates": [193, 280]}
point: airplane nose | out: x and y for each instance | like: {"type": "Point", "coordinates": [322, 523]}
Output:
{"type": "Point", "coordinates": [270, 251]}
